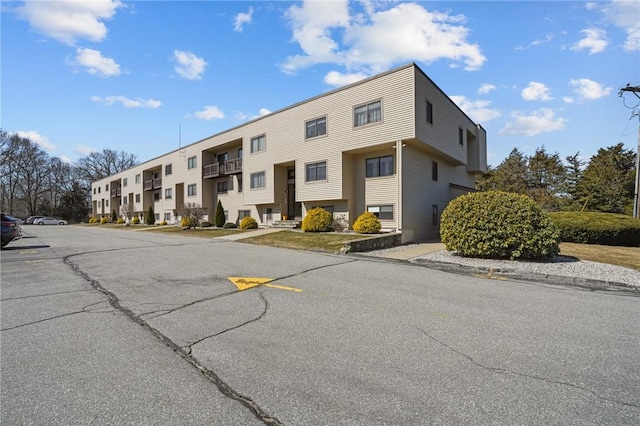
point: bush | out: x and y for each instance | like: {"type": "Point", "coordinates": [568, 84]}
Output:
{"type": "Point", "coordinates": [114, 216]}
{"type": "Point", "coordinates": [367, 223]}
{"type": "Point", "coordinates": [230, 225]}
{"type": "Point", "coordinates": [598, 228]}
{"type": "Point", "coordinates": [206, 224]}
{"type": "Point", "coordinates": [120, 221]}
{"type": "Point", "coordinates": [188, 222]}
{"type": "Point", "coordinates": [248, 222]}
{"type": "Point", "coordinates": [93, 219]}
{"type": "Point", "coordinates": [104, 220]}
{"type": "Point", "coordinates": [317, 220]}
{"type": "Point", "coordinates": [151, 216]}
{"type": "Point", "coordinates": [498, 225]}
{"type": "Point", "coordinates": [219, 218]}
{"type": "Point", "coordinates": [135, 220]}
{"type": "Point", "coordinates": [163, 223]}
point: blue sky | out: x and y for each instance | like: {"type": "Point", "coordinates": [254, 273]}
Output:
{"type": "Point", "coordinates": [146, 76]}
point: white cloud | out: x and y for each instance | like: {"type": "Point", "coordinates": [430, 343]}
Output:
{"type": "Point", "coordinates": [544, 40]}
{"type": "Point", "coordinates": [94, 63]}
{"type": "Point", "coordinates": [541, 121]}
{"type": "Point", "coordinates": [536, 92]}
{"type": "Point", "coordinates": [568, 99]}
{"type": "Point", "coordinates": [590, 5]}
{"type": "Point", "coordinates": [65, 159]}
{"type": "Point", "coordinates": [241, 19]}
{"type": "Point", "coordinates": [38, 139]}
{"type": "Point", "coordinates": [588, 89]}
{"type": "Point", "coordinates": [84, 150]}
{"type": "Point", "coordinates": [336, 79]}
{"type": "Point", "coordinates": [209, 113]}
{"type": "Point", "coordinates": [486, 88]}
{"type": "Point", "coordinates": [126, 102]}
{"type": "Point", "coordinates": [624, 14]}
{"type": "Point", "coordinates": [189, 65]}
{"type": "Point", "coordinates": [374, 40]}
{"type": "Point", "coordinates": [264, 111]}
{"type": "Point", "coordinates": [70, 20]}
{"type": "Point", "coordinates": [595, 40]}
{"type": "Point", "coordinates": [478, 110]}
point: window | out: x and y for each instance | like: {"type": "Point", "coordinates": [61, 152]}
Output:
{"type": "Point", "coordinates": [429, 113]}
{"type": "Point", "coordinates": [192, 162]}
{"type": "Point", "coordinates": [460, 136]}
{"type": "Point", "coordinates": [317, 127]}
{"type": "Point", "coordinates": [380, 166]}
{"type": "Point", "coordinates": [137, 198]}
{"type": "Point", "coordinates": [168, 169]}
{"type": "Point", "coordinates": [239, 183]}
{"type": "Point", "coordinates": [239, 152]}
{"type": "Point", "coordinates": [167, 217]}
{"type": "Point", "coordinates": [243, 213]}
{"type": "Point", "coordinates": [257, 180]}
{"type": "Point", "coordinates": [222, 158]}
{"type": "Point", "coordinates": [106, 187]}
{"type": "Point", "coordinates": [223, 186]}
{"type": "Point", "coordinates": [156, 196]}
{"type": "Point", "coordinates": [367, 114]}
{"type": "Point", "coordinates": [259, 143]}
{"type": "Point", "coordinates": [168, 193]}
{"type": "Point", "coordinates": [124, 182]}
{"type": "Point", "coordinates": [124, 200]}
{"type": "Point", "coordinates": [316, 171]}
{"type": "Point", "coordinates": [434, 215]}
{"type": "Point", "coordinates": [138, 178]}
{"type": "Point", "coordinates": [226, 216]}
{"type": "Point", "coordinates": [106, 203]}
{"type": "Point", "coordinates": [157, 217]}
{"type": "Point", "coordinates": [382, 212]}
{"type": "Point", "coordinates": [99, 190]}
{"type": "Point", "coordinates": [434, 170]}
{"type": "Point", "coordinates": [191, 190]}
{"type": "Point", "coordinates": [94, 191]}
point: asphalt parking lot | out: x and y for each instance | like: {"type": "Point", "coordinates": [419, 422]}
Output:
{"type": "Point", "coordinates": [108, 326]}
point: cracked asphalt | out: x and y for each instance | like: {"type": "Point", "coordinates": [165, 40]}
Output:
{"type": "Point", "coordinates": [107, 326]}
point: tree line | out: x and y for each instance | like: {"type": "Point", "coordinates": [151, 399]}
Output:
{"type": "Point", "coordinates": [34, 183]}
{"type": "Point", "coordinates": [605, 183]}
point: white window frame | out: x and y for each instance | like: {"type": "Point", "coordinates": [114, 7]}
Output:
{"type": "Point", "coordinates": [192, 190]}
{"type": "Point", "coordinates": [261, 182]}
{"type": "Point", "coordinates": [315, 166]}
{"type": "Point", "coordinates": [258, 143]}
{"type": "Point", "coordinates": [315, 124]}
{"type": "Point", "coordinates": [168, 193]}
{"type": "Point", "coordinates": [192, 162]}
{"type": "Point", "coordinates": [370, 112]}
{"type": "Point", "coordinates": [377, 171]}
{"type": "Point", "coordinates": [378, 210]}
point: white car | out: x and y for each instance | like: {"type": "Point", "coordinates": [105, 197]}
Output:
{"type": "Point", "coordinates": [49, 221]}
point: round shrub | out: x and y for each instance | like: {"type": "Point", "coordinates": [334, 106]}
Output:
{"type": "Point", "coordinates": [93, 219]}
{"type": "Point", "coordinates": [135, 220]}
{"type": "Point", "coordinates": [229, 225]}
{"type": "Point", "coordinates": [206, 224]}
{"type": "Point", "coordinates": [104, 220]}
{"type": "Point", "coordinates": [317, 220]}
{"type": "Point", "coordinates": [120, 221]}
{"type": "Point", "coordinates": [248, 222]}
{"type": "Point", "coordinates": [367, 223]}
{"type": "Point", "coordinates": [498, 225]}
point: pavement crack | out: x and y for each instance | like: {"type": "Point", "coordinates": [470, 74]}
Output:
{"type": "Point", "coordinates": [205, 299]}
{"type": "Point", "coordinates": [235, 327]}
{"type": "Point", "coordinates": [84, 310]}
{"type": "Point", "coordinates": [222, 386]}
{"type": "Point", "coordinates": [44, 295]}
{"type": "Point", "coordinates": [311, 270]}
{"type": "Point", "coordinates": [500, 370]}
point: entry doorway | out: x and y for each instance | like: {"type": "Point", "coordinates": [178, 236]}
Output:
{"type": "Point", "coordinates": [294, 209]}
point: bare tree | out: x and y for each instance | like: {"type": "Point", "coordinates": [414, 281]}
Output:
{"type": "Point", "coordinates": [193, 212]}
{"type": "Point", "coordinates": [107, 162]}
{"type": "Point", "coordinates": [127, 210]}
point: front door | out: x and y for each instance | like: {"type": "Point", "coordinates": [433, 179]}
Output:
{"type": "Point", "coordinates": [294, 209]}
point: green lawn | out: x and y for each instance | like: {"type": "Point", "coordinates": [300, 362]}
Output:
{"type": "Point", "coordinates": [321, 241]}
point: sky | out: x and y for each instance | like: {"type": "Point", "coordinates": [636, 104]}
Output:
{"type": "Point", "coordinates": [147, 77]}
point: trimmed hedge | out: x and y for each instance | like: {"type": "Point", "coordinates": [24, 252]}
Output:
{"type": "Point", "coordinates": [598, 228]}
{"type": "Point", "coordinates": [367, 223]}
{"type": "Point", "coordinates": [498, 225]}
{"type": "Point", "coordinates": [317, 220]}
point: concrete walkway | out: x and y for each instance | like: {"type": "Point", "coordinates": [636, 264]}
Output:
{"type": "Point", "coordinates": [413, 250]}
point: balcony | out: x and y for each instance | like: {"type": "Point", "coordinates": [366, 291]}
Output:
{"type": "Point", "coordinates": [233, 166]}
{"type": "Point", "coordinates": [116, 192]}
{"type": "Point", "coordinates": [211, 170]}
{"type": "Point", "coordinates": [151, 184]}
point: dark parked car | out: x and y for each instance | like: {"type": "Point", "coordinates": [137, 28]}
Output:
{"type": "Point", "coordinates": [10, 229]}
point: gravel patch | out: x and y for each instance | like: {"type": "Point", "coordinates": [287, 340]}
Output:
{"type": "Point", "coordinates": [560, 269]}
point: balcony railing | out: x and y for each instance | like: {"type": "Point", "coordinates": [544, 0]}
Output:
{"type": "Point", "coordinates": [211, 170]}
{"type": "Point", "coordinates": [116, 192]}
{"type": "Point", "coordinates": [151, 184]}
{"type": "Point", "coordinates": [233, 166]}
{"type": "Point", "coordinates": [229, 167]}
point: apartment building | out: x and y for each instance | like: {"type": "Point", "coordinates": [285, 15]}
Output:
{"type": "Point", "coordinates": [393, 144]}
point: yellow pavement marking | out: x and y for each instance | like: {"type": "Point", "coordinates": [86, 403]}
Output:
{"type": "Point", "coordinates": [298, 290]}
{"type": "Point", "coordinates": [244, 283]}
{"type": "Point", "coordinates": [28, 251]}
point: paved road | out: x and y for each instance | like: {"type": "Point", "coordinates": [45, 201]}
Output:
{"type": "Point", "coordinates": [108, 326]}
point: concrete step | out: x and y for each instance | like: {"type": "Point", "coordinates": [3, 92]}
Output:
{"type": "Point", "coordinates": [285, 224]}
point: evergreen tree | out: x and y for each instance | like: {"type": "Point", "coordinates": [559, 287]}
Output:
{"type": "Point", "coordinates": [607, 183]}
{"type": "Point", "coordinates": [151, 216]}
{"type": "Point", "coordinates": [219, 216]}
{"type": "Point", "coordinates": [73, 204]}
{"type": "Point", "coordinates": [546, 177]}
{"type": "Point", "coordinates": [510, 175]}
